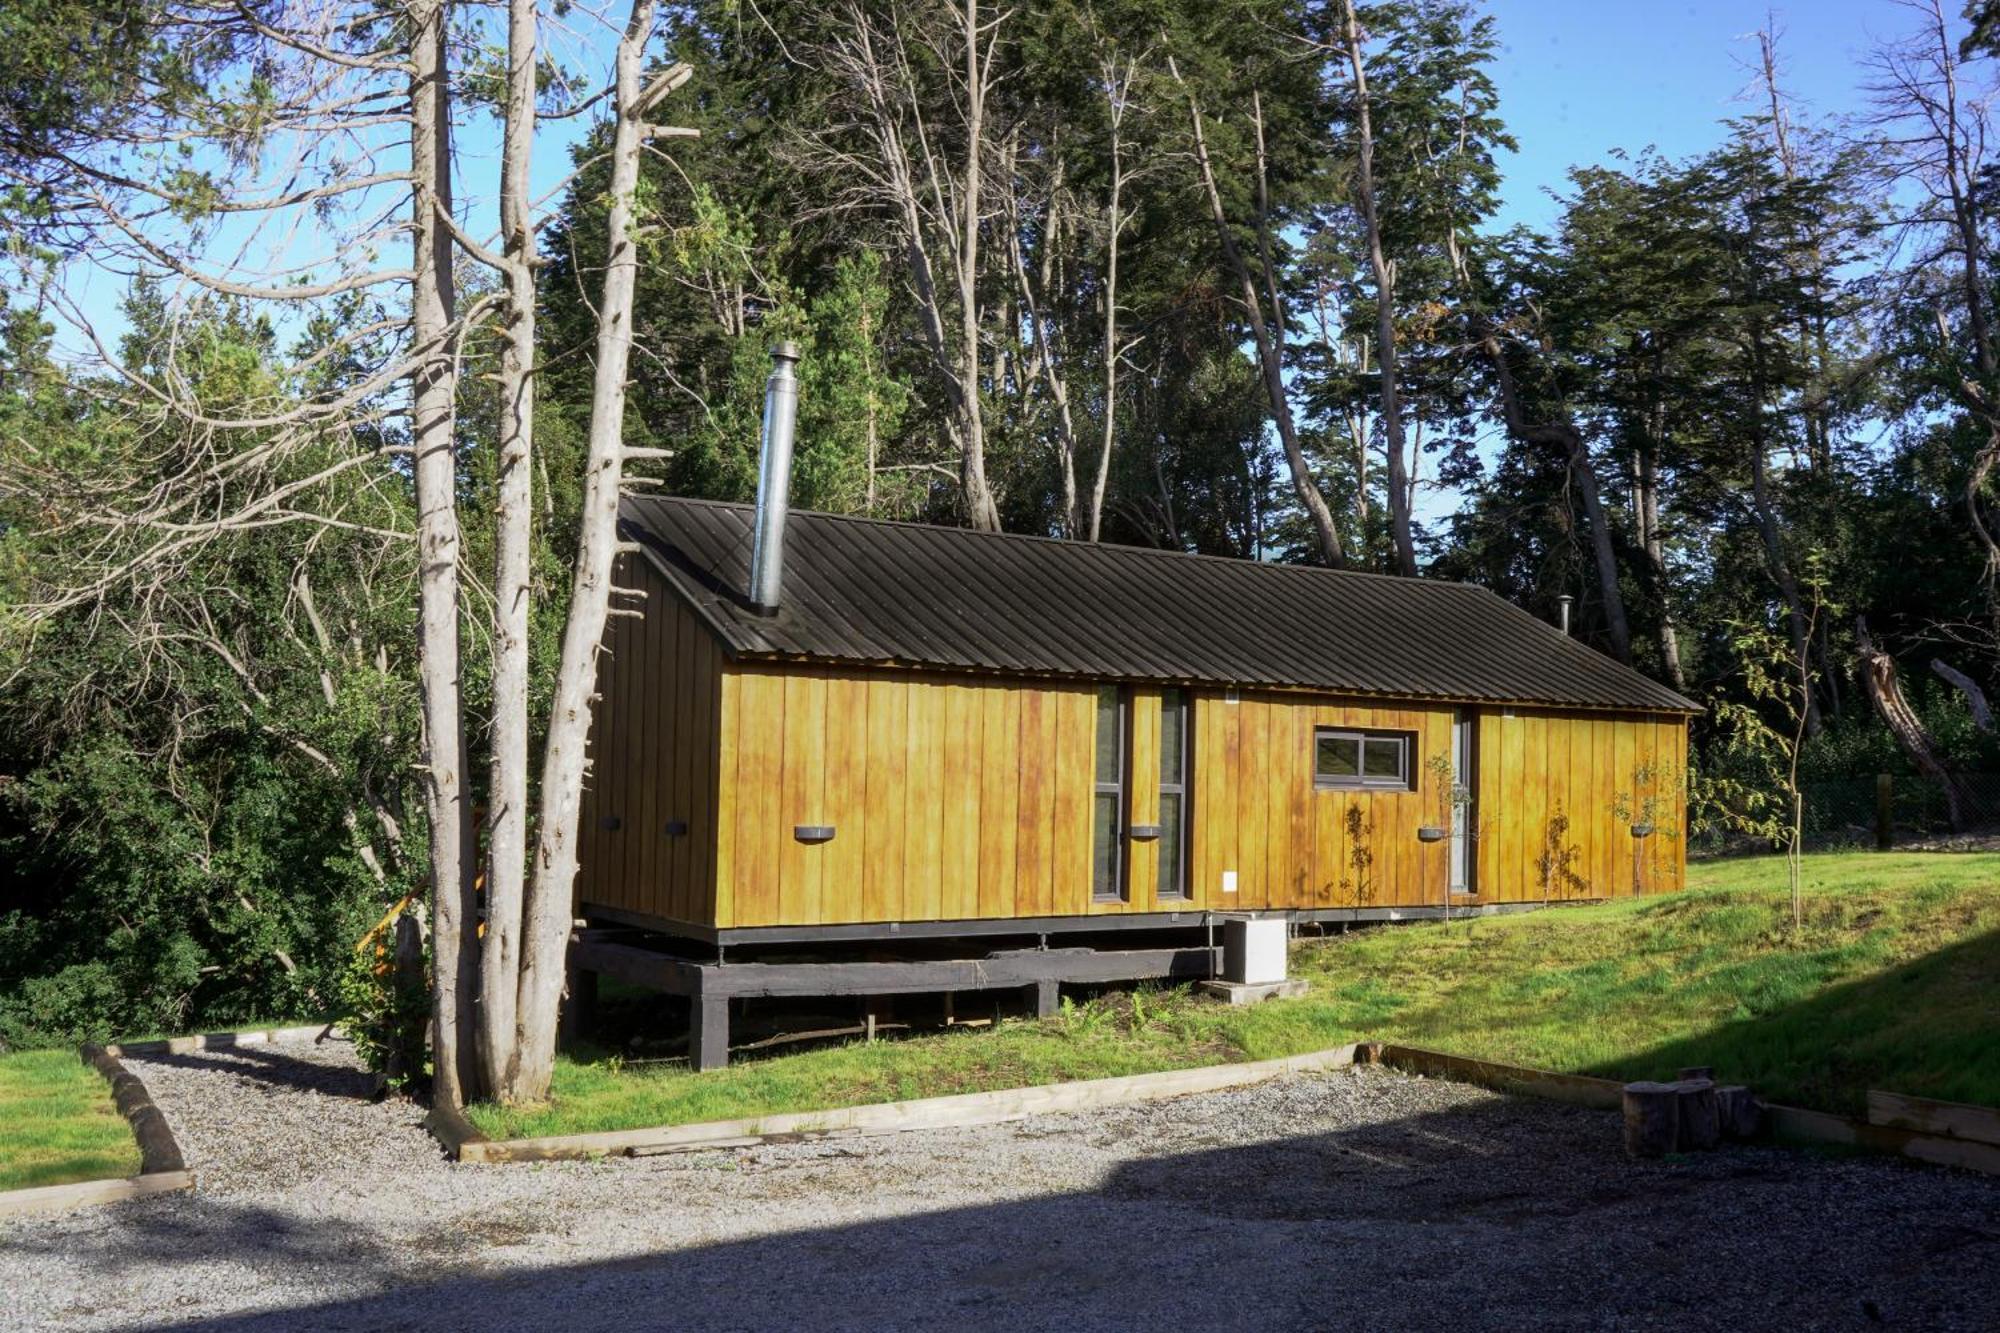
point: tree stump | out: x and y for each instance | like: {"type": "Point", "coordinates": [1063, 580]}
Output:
{"type": "Point", "coordinates": [1652, 1118]}
{"type": "Point", "coordinates": [1740, 1115]}
{"type": "Point", "coordinates": [1696, 1071]}
{"type": "Point", "coordinates": [1700, 1124]}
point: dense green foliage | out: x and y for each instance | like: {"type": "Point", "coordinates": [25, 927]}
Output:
{"type": "Point", "coordinates": [1883, 988]}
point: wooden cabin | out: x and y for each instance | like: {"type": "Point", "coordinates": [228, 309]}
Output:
{"type": "Point", "coordinates": [942, 732]}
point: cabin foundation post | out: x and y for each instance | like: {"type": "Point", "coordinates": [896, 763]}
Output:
{"type": "Point", "coordinates": [708, 1031]}
{"type": "Point", "coordinates": [1044, 996]}
{"type": "Point", "coordinates": [579, 1010]}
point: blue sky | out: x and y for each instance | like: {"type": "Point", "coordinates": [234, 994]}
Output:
{"type": "Point", "coordinates": [1580, 79]}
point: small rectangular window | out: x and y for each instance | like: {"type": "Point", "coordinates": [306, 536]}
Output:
{"type": "Point", "coordinates": [1356, 759]}
{"type": "Point", "coordinates": [1107, 835]}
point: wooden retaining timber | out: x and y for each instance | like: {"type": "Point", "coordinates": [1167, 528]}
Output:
{"type": "Point", "coordinates": [1601, 1094]}
{"type": "Point", "coordinates": [208, 1041]}
{"type": "Point", "coordinates": [974, 1108]}
{"type": "Point", "coordinates": [1790, 1122]}
{"type": "Point", "coordinates": [162, 1170]}
{"type": "Point", "coordinates": [77, 1194]}
{"type": "Point", "coordinates": [1955, 1120]}
{"type": "Point", "coordinates": [448, 1125]}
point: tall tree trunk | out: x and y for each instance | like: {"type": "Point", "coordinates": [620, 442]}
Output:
{"type": "Point", "coordinates": [545, 941]}
{"type": "Point", "coordinates": [1394, 444]}
{"type": "Point", "coordinates": [980, 510]}
{"type": "Point", "coordinates": [1269, 338]}
{"type": "Point", "coordinates": [1563, 436]}
{"type": "Point", "coordinates": [1115, 91]}
{"type": "Point", "coordinates": [1646, 510]}
{"type": "Point", "coordinates": [507, 799]}
{"type": "Point", "coordinates": [1885, 691]}
{"type": "Point", "coordinates": [454, 907]}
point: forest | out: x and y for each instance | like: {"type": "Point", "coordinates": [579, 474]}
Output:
{"type": "Point", "coordinates": [316, 402]}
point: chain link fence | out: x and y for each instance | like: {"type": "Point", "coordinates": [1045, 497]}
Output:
{"type": "Point", "coordinates": [1880, 810]}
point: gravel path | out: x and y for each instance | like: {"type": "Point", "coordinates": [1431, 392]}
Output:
{"type": "Point", "coordinates": [1360, 1199]}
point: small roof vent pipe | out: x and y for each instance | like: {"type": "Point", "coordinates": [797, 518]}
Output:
{"type": "Point", "coordinates": [774, 478]}
{"type": "Point", "coordinates": [1563, 602]}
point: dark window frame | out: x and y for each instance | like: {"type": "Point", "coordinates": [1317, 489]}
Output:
{"type": "Point", "coordinates": [1405, 780]}
{"type": "Point", "coordinates": [1119, 890]}
{"type": "Point", "coordinates": [1179, 887]}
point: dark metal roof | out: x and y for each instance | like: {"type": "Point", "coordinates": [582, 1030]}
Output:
{"type": "Point", "coordinates": [867, 592]}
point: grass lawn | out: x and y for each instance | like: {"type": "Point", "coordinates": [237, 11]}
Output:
{"type": "Point", "coordinates": [1893, 983]}
{"type": "Point", "coordinates": [57, 1123]}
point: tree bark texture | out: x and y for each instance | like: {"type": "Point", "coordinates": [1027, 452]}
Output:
{"type": "Point", "coordinates": [513, 540]}
{"type": "Point", "coordinates": [1885, 691]}
{"type": "Point", "coordinates": [545, 938]}
{"type": "Point", "coordinates": [1394, 444]}
{"type": "Point", "coordinates": [454, 910]}
{"type": "Point", "coordinates": [1563, 436]}
{"type": "Point", "coordinates": [1269, 338]}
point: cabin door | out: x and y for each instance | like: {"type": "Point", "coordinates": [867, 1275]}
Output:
{"type": "Point", "coordinates": [1464, 812]}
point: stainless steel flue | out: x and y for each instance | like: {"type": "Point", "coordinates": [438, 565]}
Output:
{"type": "Point", "coordinates": [774, 478]}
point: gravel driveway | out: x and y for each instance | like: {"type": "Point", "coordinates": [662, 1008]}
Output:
{"type": "Point", "coordinates": [1359, 1199]}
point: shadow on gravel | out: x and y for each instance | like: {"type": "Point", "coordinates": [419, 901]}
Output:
{"type": "Point", "coordinates": [204, 1230]}
{"type": "Point", "coordinates": [1497, 1214]}
{"type": "Point", "coordinates": [274, 1065]}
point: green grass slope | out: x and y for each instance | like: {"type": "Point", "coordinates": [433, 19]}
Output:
{"type": "Point", "coordinates": [57, 1123]}
{"type": "Point", "coordinates": [1892, 983]}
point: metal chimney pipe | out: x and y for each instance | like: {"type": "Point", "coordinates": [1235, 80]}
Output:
{"type": "Point", "coordinates": [774, 478]}
{"type": "Point", "coordinates": [1564, 602]}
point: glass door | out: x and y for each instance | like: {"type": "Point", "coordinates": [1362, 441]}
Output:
{"type": "Point", "coordinates": [1464, 810]}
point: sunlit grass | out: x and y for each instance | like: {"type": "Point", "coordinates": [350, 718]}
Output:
{"type": "Point", "coordinates": [57, 1123]}
{"type": "Point", "coordinates": [1891, 983]}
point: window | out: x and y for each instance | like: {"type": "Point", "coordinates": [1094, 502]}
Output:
{"type": "Point", "coordinates": [1350, 759]}
{"type": "Point", "coordinates": [1107, 834]}
{"type": "Point", "coordinates": [1173, 794]}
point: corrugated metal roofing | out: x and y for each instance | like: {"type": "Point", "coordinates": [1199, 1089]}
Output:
{"type": "Point", "coordinates": [868, 592]}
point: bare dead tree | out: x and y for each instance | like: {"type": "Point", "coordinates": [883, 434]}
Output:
{"type": "Point", "coordinates": [1395, 445]}
{"type": "Point", "coordinates": [1561, 436]}
{"type": "Point", "coordinates": [1936, 134]}
{"type": "Point", "coordinates": [1267, 321]}
{"type": "Point", "coordinates": [1885, 691]}
{"type": "Point", "coordinates": [913, 143]}
{"type": "Point", "coordinates": [1975, 698]}
{"type": "Point", "coordinates": [547, 912]}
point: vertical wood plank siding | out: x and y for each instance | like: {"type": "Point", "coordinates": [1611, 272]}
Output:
{"type": "Point", "coordinates": [657, 758]}
{"type": "Point", "coordinates": [960, 798]}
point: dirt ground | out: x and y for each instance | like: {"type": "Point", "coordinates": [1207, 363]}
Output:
{"type": "Point", "coordinates": [1360, 1199]}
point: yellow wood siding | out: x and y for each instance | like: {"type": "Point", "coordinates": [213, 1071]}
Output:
{"type": "Point", "coordinates": [961, 798]}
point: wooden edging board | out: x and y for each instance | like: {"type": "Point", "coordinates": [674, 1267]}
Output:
{"type": "Point", "coordinates": [1602, 1094]}
{"type": "Point", "coordinates": [161, 1167]}
{"type": "Point", "coordinates": [205, 1041]}
{"type": "Point", "coordinates": [1953, 1120]}
{"type": "Point", "coordinates": [1790, 1122]}
{"type": "Point", "coordinates": [963, 1109]}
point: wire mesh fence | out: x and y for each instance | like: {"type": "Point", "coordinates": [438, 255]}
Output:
{"type": "Point", "coordinates": [1879, 810]}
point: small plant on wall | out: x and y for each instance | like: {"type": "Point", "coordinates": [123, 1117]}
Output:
{"type": "Point", "coordinates": [1557, 863]}
{"type": "Point", "coordinates": [1450, 796]}
{"type": "Point", "coordinates": [1647, 808]}
{"type": "Point", "coordinates": [1359, 882]}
